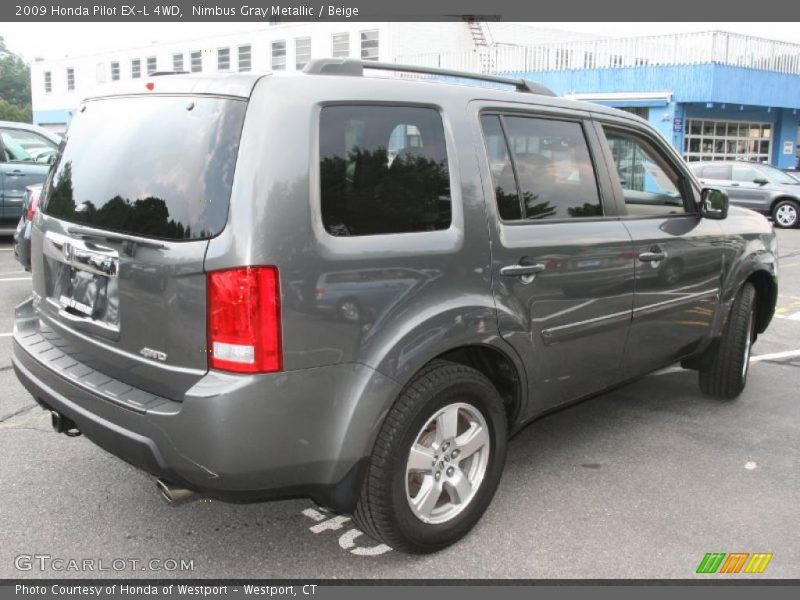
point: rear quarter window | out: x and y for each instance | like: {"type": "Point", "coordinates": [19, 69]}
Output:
{"type": "Point", "coordinates": [383, 170]}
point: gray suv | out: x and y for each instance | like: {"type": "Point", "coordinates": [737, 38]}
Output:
{"type": "Point", "coordinates": [759, 187]}
{"type": "Point", "coordinates": [356, 288]}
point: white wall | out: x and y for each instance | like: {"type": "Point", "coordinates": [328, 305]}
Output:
{"type": "Point", "coordinates": [414, 38]}
{"type": "Point", "coordinates": [93, 72]}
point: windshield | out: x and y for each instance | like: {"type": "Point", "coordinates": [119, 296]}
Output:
{"type": "Point", "coordinates": [776, 175]}
{"type": "Point", "coordinates": [155, 166]}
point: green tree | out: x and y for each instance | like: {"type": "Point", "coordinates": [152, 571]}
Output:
{"type": "Point", "coordinates": [15, 86]}
{"type": "Point", "coordinates": [11, 112]}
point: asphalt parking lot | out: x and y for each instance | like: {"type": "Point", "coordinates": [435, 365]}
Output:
{"type": "Point", "coordinates": [641, 482]}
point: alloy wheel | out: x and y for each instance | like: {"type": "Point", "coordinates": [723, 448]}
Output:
{"type": "Point", "coordinates": [447, 463]}
{"type": "Point", "coordinates": [786, 215]}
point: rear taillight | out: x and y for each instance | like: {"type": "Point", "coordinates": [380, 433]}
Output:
{"type": "Point", "coordinates": [244, 320]}
{"type": "Point", "coordinates": [33, 204]}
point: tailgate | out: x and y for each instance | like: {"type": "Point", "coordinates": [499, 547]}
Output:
{"type": "Point", "coordinates": [140, 186]}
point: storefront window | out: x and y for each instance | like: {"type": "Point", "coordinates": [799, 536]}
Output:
{"type": "Point", "coordinates": [727, 140]}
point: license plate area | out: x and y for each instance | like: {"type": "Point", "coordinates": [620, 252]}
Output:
{"type": "Point", "coordinates": [81, 282]}
{"type": "Point", "coordinates": [85, 294]}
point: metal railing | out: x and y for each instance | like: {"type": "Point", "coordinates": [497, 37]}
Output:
{"type": "Point", "coordinates": [712, 47]}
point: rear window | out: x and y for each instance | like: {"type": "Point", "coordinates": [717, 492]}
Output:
{"type": "Point", "coordinates": [156, 166]}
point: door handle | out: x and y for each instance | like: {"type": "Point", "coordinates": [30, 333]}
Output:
{"type": "Point", "coordinates": [522, 270]}
{"type": "Point", "coordinates": [734, 185]}
{"type": "Point", "coordinates": [652, 256]}
{"type": "Point", "coordinates": [15, 173]}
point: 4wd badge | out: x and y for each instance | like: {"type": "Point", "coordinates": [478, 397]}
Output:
{"type": "Point", "coordinates": [155, 354]}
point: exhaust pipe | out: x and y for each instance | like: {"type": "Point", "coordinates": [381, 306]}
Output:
{"type": "Point", "coordinates": [62, 424]}
{"type": "Point", "coordinates": [172, 494]}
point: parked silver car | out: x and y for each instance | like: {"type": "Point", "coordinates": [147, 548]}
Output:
{"type": "Point", "coordinates": [762, 188]}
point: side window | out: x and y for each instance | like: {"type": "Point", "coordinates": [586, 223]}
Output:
{"type": "Point", "coordinates": [383, 169]}
{"type": "Point", "coordinates": [745, 174]}
{"type": "Point", "coordinates": [555, 178]}
{"type": "Point", "coordinates": [722, 172]}
{"type": "Point", "coordinates": [505, 186]}
{"type": "Point", "coordinates": [25, 146]}
{"type": "Point", "coordinates": [696, 170]}
{"type": "Point", "coordinates": [650, 184]}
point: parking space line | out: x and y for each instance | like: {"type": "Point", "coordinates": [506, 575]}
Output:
{"type": "Point", "coordinates": [792, 317]}
{"type": "Point", "coordinates": [753, 359]}
{"type": "Point", "coordinates": [6, 334]}
{"type": "Point", "coordinates": [15, 279]}
{"type": "Point", "coordinates": [776, 355]}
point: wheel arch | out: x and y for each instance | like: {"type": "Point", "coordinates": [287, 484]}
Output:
{"type": "Point", "coordinates": [507, 376]}
{"type": "Point", "coordinates": [464, 334]}
{"type": "Point", "coordinates": [781, 198]}
{"type": "Point", "coordinates": [766, 297]}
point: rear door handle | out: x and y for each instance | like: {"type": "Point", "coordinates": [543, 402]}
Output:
{"type": "Point", "coordinates": [522, 270]}
{"type": "Point", "coordinates": [15, 173]}
{"type": "Point", "coordinates": [653, 256]}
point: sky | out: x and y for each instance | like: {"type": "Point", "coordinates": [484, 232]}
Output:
{"type": "Point", "coordinates": [54, 40]}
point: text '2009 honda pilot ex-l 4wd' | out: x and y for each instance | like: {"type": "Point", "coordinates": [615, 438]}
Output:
{"type": "Point", "coordinates": [355, 288]}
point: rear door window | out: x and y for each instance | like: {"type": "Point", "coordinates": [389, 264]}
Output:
{"type": "Point", "coordinates": [541, 168]}
{"type": "Point", "coordinates": [383, 169]}
{"type": "Point", "coordinates": [504, 183]}
{"type": "Point", "coordinates": [155, 166]}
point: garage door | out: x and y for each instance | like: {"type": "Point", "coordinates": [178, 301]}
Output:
{"type": "Point", "coordinates": [727, 140]}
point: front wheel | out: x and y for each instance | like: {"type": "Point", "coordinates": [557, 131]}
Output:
{"type": "Point", "coordinates": [786, 214]}
{"type": "Point", "coordinates": [724, 372]}
{"type": "Point", "coordinates": [437, 460]}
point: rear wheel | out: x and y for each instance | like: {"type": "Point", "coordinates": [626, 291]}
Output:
{"type": "Point", "coordinates": [724, 373]}
{"type": "Point", "coordinates": [437, 460]}
{"type": "Point", "coordinates": [786, 214]}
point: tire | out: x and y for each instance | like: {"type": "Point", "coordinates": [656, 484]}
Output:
{"type": "Point", "coordinates": [384, 509]}
{"type": "Point", "coordinates": [724, 373]}
{"type": "Point", "coordinates": [786, 214]}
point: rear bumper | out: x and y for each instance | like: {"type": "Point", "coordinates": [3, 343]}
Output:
{"type": "Point", "coordinates": [237, 438]}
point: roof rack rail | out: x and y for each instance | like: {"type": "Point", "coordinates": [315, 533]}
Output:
{"type": "Point", "coordinates": [355, 68]}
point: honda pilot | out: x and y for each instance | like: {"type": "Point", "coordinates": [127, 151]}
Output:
{"type": "Point", "coordinates": [355, 289]}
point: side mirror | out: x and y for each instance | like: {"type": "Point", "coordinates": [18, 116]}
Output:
{"type": "Point", "coordinates": [761, 180]}
{"type": "Point", "coordinates": [714, 204]}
